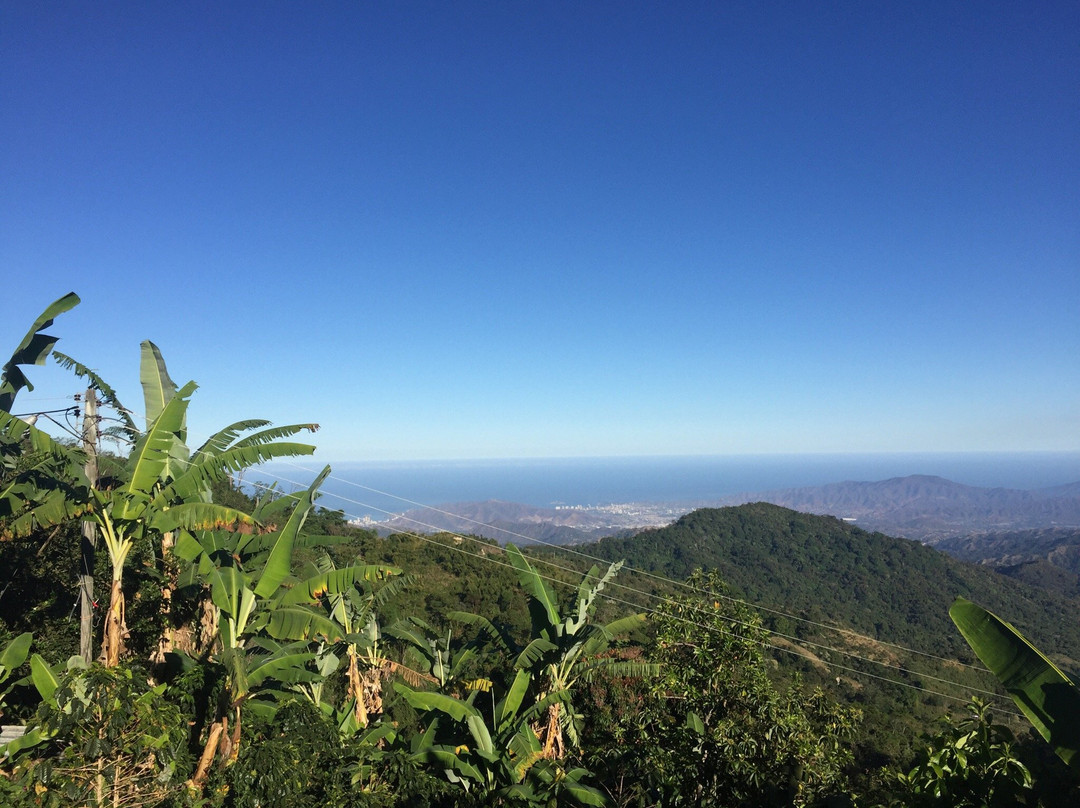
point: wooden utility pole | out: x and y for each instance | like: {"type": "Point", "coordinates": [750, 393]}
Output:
{"type": "Point", "coordinates": [89, 532]}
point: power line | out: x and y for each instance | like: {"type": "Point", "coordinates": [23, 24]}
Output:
{"type": "Point", "coordinates": [671, 582]}
{"type": "Point", "coordinates": [669, 601]}
{"type": "Point", "coordinates": [645, 574]}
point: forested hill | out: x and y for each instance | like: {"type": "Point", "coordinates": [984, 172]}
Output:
{"type": "Point", "coordinates": [830, 571]}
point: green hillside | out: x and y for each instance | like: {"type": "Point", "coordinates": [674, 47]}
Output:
{"type": "Point", "coordinates": [828, 571]}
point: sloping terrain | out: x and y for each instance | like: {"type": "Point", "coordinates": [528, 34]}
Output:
{"type": "Point", "coordinates": [832, 572]}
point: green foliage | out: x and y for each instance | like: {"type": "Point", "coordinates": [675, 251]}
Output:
{"type": "Point", "coordinates": [12, 656]}
{"type": "Point", "coordinates": [294, 758]}
{"type": "Point", "coordinates": [881, 590]}
{"type": "Point", "coordinates": [502, 686]}
{"type": "Point", "coordinates": [112, 740]}
{"type": "Point", "coordinates": [824, 569]}
{"type": "Point", "coordinates": [1049, 699]}
{"type": "Point", "coordinates": [32, 350]}
{"type": "Point", "coordinates": [39, 589]}
{"type": "Point", "coordinates": [970, 763]}
{"type": "Point", "coordinates": [713, 729]}
{"type": "Point", "coordinates": [516, 751]}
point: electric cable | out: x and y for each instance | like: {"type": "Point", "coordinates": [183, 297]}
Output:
{"type": "Point", "coordinates": [673, 602]}
{"type": "Point", "coordinates": [643, 573]}
{"type": "Point", "coordinates": [671, 582]}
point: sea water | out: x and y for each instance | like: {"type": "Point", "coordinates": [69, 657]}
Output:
{"type": "Point", "coordinates": [379, 489]}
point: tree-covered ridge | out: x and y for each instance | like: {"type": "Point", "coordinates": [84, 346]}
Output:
{"type": "Point", "coordinates": [830, 571]}
{"type": "Point", "coordinates": [1048, 558]}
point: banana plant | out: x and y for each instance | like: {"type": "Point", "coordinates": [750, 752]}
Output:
{"type": "Point", "coordinates": [251, 623]}
{"type": "Point", "coordinates": [562, 649]}
{"type": "Point", "coordinates": [41, 482]}
{"type": "Point", "coordinates": [501, 757]}
{"type": "Point", "coordinates": [348, 597]}
{"type": "Point", "coordinates": [144, 502]}
{"type": "Point", "coordinates": [164, 489]}
{"type": "Point", "coordinates": [445, 663]}
{"type": "Point", "coordinates": [1042, 691]}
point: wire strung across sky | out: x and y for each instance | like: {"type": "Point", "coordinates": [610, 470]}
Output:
{"type": "Point", "coordinates": [571, 551]}
{"type": "Point", "coordinates": [650, 610]}
{"type": "Point", "coordinates": [661, 599]}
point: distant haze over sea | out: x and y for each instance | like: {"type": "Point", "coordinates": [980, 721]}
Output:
{"type": "Point", "coordinates": [377, 489]}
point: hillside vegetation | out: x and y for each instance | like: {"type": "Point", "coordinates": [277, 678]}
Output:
{"type": "Point", "coordinates": [830, 571]}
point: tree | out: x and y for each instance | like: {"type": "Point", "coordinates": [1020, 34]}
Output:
{"type": "Point", "coordinates": [969, 763]}
{"type": "Point", "coordinates": [33, 350]}
{"type": "Point", "coordinates": [39, 478]}
{"type": "Point", "coordinates": [561, 650]}
{"type": "Point", "coordinates": [163, 488]}
{"type": "Point", "coordinates": [713, 729]}
{"type": "Point", "coordinates": [345, 595]}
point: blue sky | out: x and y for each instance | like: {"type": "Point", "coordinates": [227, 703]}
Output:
{"type": "Point", "coordinates": [452, 230]}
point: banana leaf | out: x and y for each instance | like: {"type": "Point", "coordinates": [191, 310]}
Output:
{"type": "Point", "coordinates": [335, 582]}
{"type": "Point", "coordinates": [152, 453]}
{"type": "Point", "coordinates": [427, 700]}
{"type": "Point", "coordinates": [44, 679]}
{"type": "Point", "coordinates": [14, 654]}
{"type": "Point", "coordinates": [1049, 699]}
{"type": "Point", "coordinates": [158, 388]}
{"type": "Point", "coordinates": [542, 603]}
{"type": "Point", "coordinates": [33, 350]}
{"type": "Point", "coordinates": [276, 569]}
{"type": "Point", "coordinates": [273, 434]}
{"type": "Point", "coordinates": [301, 623]}
{"type": "Point", "coordinates": [207, 468]}
{"type": "Point", "coordinates": [223, 439]}
{"type": "Point", "coordinates": [507, 710]}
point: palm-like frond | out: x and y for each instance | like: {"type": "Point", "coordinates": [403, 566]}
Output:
{"type": "Point", "coordinates": [108, 394]}
{"type": "Point", "coordinates": [275, 433]}
{"type": "Point", "coordinates": [277, 564]}
{"type": "Point", "coordinates": [487, 627]}
{"type": "Point", "coordinates": [206, 468]}
{"type": "Point", "coordinates": [151, 454]}
{"type": "Point", "coordinates": [542, 604]}
{"type": "Point", "coordinates": [223, 439]}
{"type": "Point", "coordinates": [334, 582]}
{"type": "Point", "coordinates": [590, 587]}
{"type": "Point", "coordinates": [299, 622]}
{"type": "Point", "coordinates": [200, 516]}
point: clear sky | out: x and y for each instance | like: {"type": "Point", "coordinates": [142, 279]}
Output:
{"type": "Point", "coordinates": [452, 230]}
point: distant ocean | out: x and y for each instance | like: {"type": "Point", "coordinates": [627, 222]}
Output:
{"type": "Point", "coordinates": [377, 490]}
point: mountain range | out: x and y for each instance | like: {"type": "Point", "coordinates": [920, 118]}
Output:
{"type": "Point", "coordinates": [927, 508]}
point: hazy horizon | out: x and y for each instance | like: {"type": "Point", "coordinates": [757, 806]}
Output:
{"type": "Point", "coordinates": [377, 489]}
